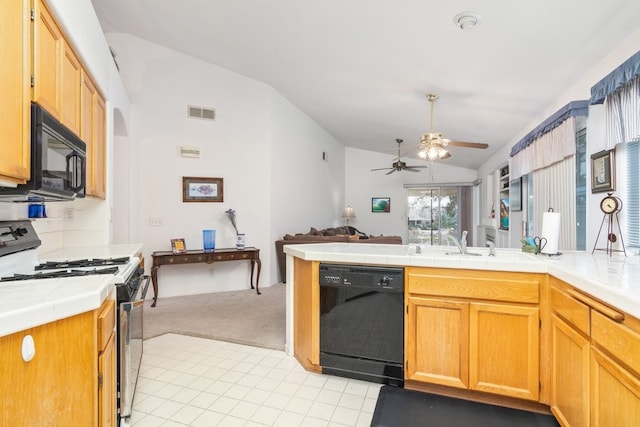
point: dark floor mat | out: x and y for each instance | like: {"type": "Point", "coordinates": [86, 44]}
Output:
{"type": "Point", "coordinates": [397, 407]}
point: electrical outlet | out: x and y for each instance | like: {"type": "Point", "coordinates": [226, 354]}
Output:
{"type": "Point", "coordinates": [156, 221]}
{"type": "Point", "coordinates": [69, 214]}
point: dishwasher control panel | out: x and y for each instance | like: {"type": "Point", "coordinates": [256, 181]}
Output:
{"type": "Point", "coordinates": [387, 278]}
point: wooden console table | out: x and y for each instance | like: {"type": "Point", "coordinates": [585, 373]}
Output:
{"type": "Point", "coordinates": [197, 256]}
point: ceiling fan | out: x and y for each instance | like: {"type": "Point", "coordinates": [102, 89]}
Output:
{"type": "Point", "coordinates": [399, 165]}
{"type": "Point", "coordinates": [432, 144]}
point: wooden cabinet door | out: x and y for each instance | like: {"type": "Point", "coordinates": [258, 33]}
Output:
{"type": "Point", "coordinates": [570, 353]}
{"type": "Point", "coordinates": [70, 76]}
{"type": "Point", "coordinates": [98, 162]}
{"type": "Point", "coordinates": [47, 59]}
{"type": "Point", "coordinates": [107, 384]}
{"type": "Point", "coordinates": [15, 113]}
{"type": "Point", "coordinates": [93, 133]}
{"type": "Point", "coordinates": [436, 340]}
{"type": "Point", "coordinates": [306, 314]}
{"type": "Point", "coordinates": [504, 350]}
{"type": "Point", "coordinates": [58, 383]}
{"type": "Point", "coordinates": [615, 393]}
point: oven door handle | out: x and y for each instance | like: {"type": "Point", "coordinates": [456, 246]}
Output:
{"type": "Point", "coordinates": [144, 282]}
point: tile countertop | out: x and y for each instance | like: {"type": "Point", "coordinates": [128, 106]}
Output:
{"type": "Point", "coordinates": [613, 279]}
{"type": "Point", "coordinates": [29, 303]}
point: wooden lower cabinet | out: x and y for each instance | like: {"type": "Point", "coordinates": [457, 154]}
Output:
{"type": "Point", "coordinates": [464, 329]}
{"type": "Point", "coordinates": [595, 361]}
{"type": "Point", "coordinates": [437, 342]}
{"type": "Point", "coordinates": [60, 385]}
{"type": "Point", "coordinates": [306, 314]}
{"type": "Point", "coordinates": [504, 350]}
{"type": "Point", "coordinates": [615, 393]}
{"type": "Point", "coordinates": [570, 374]}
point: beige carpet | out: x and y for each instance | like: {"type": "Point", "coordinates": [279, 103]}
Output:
{"type": "Point", "coordinates": [242, 317]}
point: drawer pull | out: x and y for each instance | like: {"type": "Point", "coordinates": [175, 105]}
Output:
{"type": "Point", "coordinates": [604, 309]}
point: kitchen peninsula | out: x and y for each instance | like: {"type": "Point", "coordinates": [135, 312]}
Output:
{"type": "Point", "coordinates": [517, 329]}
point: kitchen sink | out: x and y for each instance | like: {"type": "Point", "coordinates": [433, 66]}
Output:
{"type": "Point", "coordinates": [465, 254]}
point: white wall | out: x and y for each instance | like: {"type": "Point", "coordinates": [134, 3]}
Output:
{"type": "Point", "coordinates": [595, 127]}
{"type": "Point", "coordinates": [267, 151]}
{"type": "Point", "coordinates": [361, 184]}
{"type": "Point", "coordinates": [306, 191]}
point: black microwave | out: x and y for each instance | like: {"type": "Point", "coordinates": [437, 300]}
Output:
{"type": "Point", "coordinates": [58, 162]}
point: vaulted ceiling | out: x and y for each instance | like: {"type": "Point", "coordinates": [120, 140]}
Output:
{"type": "Point", "coordinates": [362, 68]}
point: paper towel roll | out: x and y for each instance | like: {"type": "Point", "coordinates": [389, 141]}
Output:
{"type": "Point", "coordinates": [551, 232]}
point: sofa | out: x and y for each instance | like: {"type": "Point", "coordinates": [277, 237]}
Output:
{"type": "Point", "coordinates": [346, 234]}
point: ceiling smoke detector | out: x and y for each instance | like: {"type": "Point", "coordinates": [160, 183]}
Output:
{"type": "Point", "coordinates": [466, 20]}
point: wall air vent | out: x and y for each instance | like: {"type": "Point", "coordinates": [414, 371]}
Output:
{"type": "Point", "coordinates": [201, 112]}
{"type": "Point", "coordinates": [190, 152]}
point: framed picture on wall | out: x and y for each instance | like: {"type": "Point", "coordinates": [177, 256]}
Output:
{"type": "Point", "coordinates": [381, 204]}
{"type": "Point", "coordinates": [603, 171]}
{"type": "Point", "coordinates": [202, 189]}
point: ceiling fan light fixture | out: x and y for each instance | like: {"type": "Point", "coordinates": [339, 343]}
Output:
{"type": "Point", "coordinates": [466, 20]}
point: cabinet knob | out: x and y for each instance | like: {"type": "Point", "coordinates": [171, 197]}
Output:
{"type": "Point", "coordinates": [28, 348]}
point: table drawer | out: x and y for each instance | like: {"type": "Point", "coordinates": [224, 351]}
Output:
{"type": "Point", "coordinates": [231, 256]}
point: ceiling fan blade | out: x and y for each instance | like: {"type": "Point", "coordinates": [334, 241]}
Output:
{"type": "Point", "coordinates": [465, 144]}
{"type": "Point", "coordinates": [380, 169]}
{"type": "Point", "coordinates": [390, 172]}
{"type": "Point", "coordinates": [416, 168]}
{"type": "Point", "coordinates": [446, 156]}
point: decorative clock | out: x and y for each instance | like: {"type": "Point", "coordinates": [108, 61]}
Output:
{"type": "Point", "coordinates": [611, 206]}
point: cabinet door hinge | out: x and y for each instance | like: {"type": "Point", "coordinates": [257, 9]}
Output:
{"type": "Point", "coordinates": [407, 308]}
{"type": "Point", "coordinates": [33, 81]}
{"type": "Point", "coordinates": [406, 365]}
{"type": "Point", "coordinates": [540, 323]}
{"type": "Point", "coordinates": [100, 380]}
{"type": "Point", "coordinates": [33, 14]}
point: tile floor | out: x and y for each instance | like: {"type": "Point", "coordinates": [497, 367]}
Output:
{"type": "Point", "coordinates": [188, 381]}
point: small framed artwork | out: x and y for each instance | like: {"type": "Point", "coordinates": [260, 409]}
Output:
{"type": "Point", "coordinates": [381, 204]}
{"type": "Point", "coordinates": [178, 246]}
{"type": "Point", "coordinates": [202, 189]}
{"type": "Point", "coordinates": [603, 171]}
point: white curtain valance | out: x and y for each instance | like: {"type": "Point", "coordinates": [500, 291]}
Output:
{"type": "Point", "coordinates": [548, 149]}
{"type": "Point", "coordinates": [623, 114]}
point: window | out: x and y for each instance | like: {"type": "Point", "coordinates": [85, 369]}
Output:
{"type": "Point", "coordinates": [434, 213]}
{"type": "Point", "coordinates": [581, 189]}
{"type": "Point", "coordinates": [631, 207]}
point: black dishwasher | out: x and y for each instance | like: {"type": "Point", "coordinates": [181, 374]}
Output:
{"type": "Point", "coordinates": [362, 322]}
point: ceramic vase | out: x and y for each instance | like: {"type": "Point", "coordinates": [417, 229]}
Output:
{"type": "Point", "coordinates": [240, 241]}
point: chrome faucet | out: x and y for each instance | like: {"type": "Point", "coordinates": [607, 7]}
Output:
{"type": "Point", "coordinates": [492, 248]}
{"type": "Point", "coordinates": [460, 244]}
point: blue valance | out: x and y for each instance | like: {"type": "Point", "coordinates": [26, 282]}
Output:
{"type": "Point", "coordinates": [572, 109]}
{"type": "Point", "coordinates": [626, 72]}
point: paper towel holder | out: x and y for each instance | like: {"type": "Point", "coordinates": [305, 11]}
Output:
{"type": "Point", "coordinates": [542, 241]}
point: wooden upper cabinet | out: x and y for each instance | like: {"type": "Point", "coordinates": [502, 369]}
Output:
{"type": "Point", "coordinates": [93, 133]}
{"type": "Point", "coordinates": [47, 59]}
{"type": "Point", "coordinates": [15, 114]}
{"type": "Point", "coordinates": [97, 164]}
{"type": "Point", "coordinates": [70, 75]}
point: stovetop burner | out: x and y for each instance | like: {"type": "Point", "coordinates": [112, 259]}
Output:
{"type": "Point", "coordinates": [76, 263]}
{"type": "Point", "coordinates": [61, 273]}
